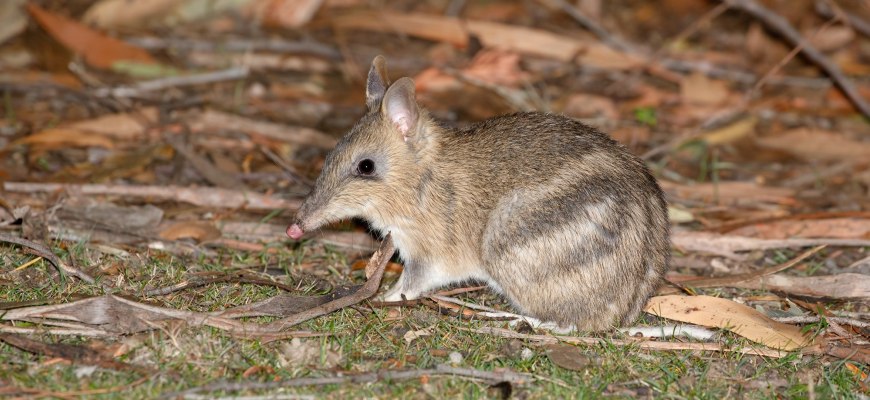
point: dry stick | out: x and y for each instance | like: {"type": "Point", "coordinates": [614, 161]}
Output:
{"type": "Point", "coordinates": [643, 344]}
{"type": "Point", "coordinates": [729, 280]}
{"type": "Point", "coordinates": [374, 272]}
{"type": "Point", "coordinates": [196, 282]}
{"type": "Point", "coordinates": [199, 196]}
{"type": "Point", "coordinates": [814, 318]}
{"type": "Point", "coordinates": [368, 377]}
{"type": "Point", "coordinates": [784, 28]}
{"type": "Point", "coordinates": [785, 60]}
{"type": "Point", "coordinates": [173, 81]}
{"type": "Point", "coordinates": [46, 253]}
{"type": "Point", "coordinates": [239, 45]}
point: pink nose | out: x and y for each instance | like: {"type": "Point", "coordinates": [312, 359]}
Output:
{"type": "Point", "coordinates": [294, 231]}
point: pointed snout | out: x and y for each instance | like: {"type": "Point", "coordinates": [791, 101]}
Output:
{"type": "Point", "coordinates": [295, 232]}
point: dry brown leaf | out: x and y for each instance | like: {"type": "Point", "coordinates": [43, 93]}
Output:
{"type": "Point", "coordinates": [567, 356]}
{"type": "Point", "coordinates": [843, 228]}
{"type": "Point", "coordinates": [831, 38]}
{"type": "Point", "coordinates": [725, 314]}
{"type": "Point", "coordinates": [491, 34]}
{"type": "Point", "coordinates": [109, 14]}
{"type": "Point", "coordinates": [847, 286]}
{"type": "Point", "coordinates": [730, 192]}
{"type": "Point", "coordinates": [697, 88]}
{"type": "Point", "coordinates": [98, 50]}
{"type": "Point", "coordinates": [123, 126]}
{"type": "Point", "coordinates": [491, 66]}
{"type": "Point", "coordinates": [732, 132]}
{"type": "Point", "coordinates": [729, 245]}
{"type": "Point", "coordinates": [53, 138]}
{"type": "Point", "coordinates": [285, 13]}
{"type": "Point", "coordinates": [814, 144]}
{"type": "Point", "coordinates": [219, 121]}
{"type": "Point", "coordinates": [200, 231]}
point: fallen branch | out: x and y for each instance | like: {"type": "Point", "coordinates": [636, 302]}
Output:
{"type": "Point", "coordinates": [639, 343]}
{"type": "Point", "coordinates": [369, 377]}
{"type": "Point", "coordinates": [141, 88]}
{"type": "Point", "coordinates": [46, 253]}
{"type": "Point", "coordinates": [374, 273]}
{"type": "Point", "coordinates": [238, 45]}
{"type": "Point", "coordinates": [730, 280]}
{"type": "Point", "coordinates": [198, 196]}
{"type": "Point", "coordinates": [790, 34]}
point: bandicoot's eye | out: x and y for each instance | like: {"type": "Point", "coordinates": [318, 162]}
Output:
{"type": "Point", "coordinates": [366, 167]}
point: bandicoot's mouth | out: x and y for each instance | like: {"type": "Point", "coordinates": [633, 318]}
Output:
{"type": "Point", "coordinates": [295, 232]}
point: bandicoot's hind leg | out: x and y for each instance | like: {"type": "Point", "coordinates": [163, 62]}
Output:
{"type": "Point", "coordinates": [586, 267]}
{"type": "Point", "coordinates": [417, 279]}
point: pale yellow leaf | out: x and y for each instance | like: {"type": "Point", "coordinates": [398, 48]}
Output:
{"type": "Point", "coordinates": [726, 314]}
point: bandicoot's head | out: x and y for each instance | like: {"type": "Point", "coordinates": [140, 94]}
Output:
{"type": "Point", "coordinates": [373, 171]}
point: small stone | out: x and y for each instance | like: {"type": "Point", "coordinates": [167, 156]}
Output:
{"type": "Point", "coordinates": [455, 357]}
{"type": "Point", "coordinates": [526, 354]}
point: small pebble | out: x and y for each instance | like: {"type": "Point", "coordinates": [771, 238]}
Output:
{"type": "Point", "coordinates": [455, 357]}
{"type": "Point", "coordinates": [526, 354]}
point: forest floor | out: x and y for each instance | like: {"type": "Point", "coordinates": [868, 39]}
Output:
{"type": "Point", "coordinates": [153, 153]}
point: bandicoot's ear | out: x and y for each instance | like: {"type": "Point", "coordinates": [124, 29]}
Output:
{"type": "Point", "coordinates": [377, 82]}
{"type": "Point", "coordinates": [400, 107]}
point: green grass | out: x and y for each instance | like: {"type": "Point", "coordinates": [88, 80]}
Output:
{"type": "Point", "coordinates": [366, 340]}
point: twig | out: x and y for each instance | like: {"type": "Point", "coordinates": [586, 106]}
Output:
{"type": "Point", "coordinates": [199, 196]}
{"type": "Point", "coordinates": [714, 71]}
{"type": "Point", "coordinates": [858, 24]}
{"type": "Point", "coordinates": [76, 354]}
{"type": "Point", "coordinates": [164, 83]}
{"type": "Point", "coordinates": [642, 344]}
{"type": "Point", "coordinates": [814, 318]}
{"type": "Point", "coordinates": [784, 28]}
{"type": "Point", "coordinates": [239, 45]}
{"type": "Point", "coordinates": [369, 377]}
{"type": "Point", "coordinates": [730, 280]}
{"type": "Point", "coordinates": [197, 281]}
{"type": "Point", "coordinates": [46, 253]}
{"type": "Point", "coordinates": [375, 271]}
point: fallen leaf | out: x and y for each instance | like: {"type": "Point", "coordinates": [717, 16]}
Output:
{"type": "Point", "coordinates": [200, 231]}
{"type": "Point", "coordinates": [493, 35]}
{"type": "Point", "coordinates": [846, 286]}
{"type": "Point", "coordinates": [730, 192]}
{"type": "Point", "coordinates": [219, 121]}
{"type": "Point", "coordinates": [815, 144]}
{"type": "Point", "coordinates": [54, 138]}
{"type": "Point", "coordinates": [729, 245]}
{"type": "Point", "coordinates": [730, 133]}
{"type": "Point", "coordinates": [98, 50]}
{"type": "Point", "coordinates": [109, 14]}
{"type": "Point", "coordinates": [567, 356]}
{"type": "Point", "coordinates": [844, 228]}
{"type": "Point", "coordinates": [284, 13]}
{"type": "Point", "coordinates": [726, 314]}
{"type": "Point", "coordinates": [831, 38]}
{"type": "Point", "coordinates": [410, 336]}
{"type": "Point", "coordinates": [697, 88]}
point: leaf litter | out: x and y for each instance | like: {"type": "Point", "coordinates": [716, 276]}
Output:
{"type": "Point", "coordinates": [205, 159]}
